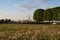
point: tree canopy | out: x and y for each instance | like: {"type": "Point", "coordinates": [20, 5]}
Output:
{"type": "Point", "coordinates": [50, 14]}
{"type": "Point", "coordinates": [38, 15]}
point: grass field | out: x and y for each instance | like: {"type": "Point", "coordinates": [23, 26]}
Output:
{"type": "Point", "coordinates": [29, 32]}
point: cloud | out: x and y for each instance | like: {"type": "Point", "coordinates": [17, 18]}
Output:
{"type": "Point", "coordinates": [34, 0]}
{"type": "Point", "coordinates": [25, 6]}
{"type": "Point", "coordinates": [37, 1]}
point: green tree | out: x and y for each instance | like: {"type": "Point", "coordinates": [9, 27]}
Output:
{"type": "Point", "coordinates": [7, 20]}
{"type": "Point", "coordinates": [38, 15]}
{"type": "Point", "coordinates": [56, 12]}
{"type": "Point", "coordinates": [55, 15]}
{"type": "Point", "coordinates": [48, 15]}
{"type": "Point", "coordinates": [2, 21]}
{"type": "Point", "coordinates": [51, 14]}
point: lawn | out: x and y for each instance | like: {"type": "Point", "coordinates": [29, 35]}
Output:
{"type": "Point", "coordinates": [29, 32]}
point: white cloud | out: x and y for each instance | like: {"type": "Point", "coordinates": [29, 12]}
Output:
{"type": "Point", "coordinates": [25, 6]}
{"type": "Point", "coordinates": [35, 0]}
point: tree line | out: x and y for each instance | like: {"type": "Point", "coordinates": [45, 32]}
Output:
{"type": "Point", "coordinates": [8, 21]}
{"type": "Point", "coordinates": [5, 20]}
{"type": "Point", "coordinates": [50, 14]}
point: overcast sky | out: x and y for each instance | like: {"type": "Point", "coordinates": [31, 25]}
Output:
{"type": "Point", "coordinates": [21, 9]}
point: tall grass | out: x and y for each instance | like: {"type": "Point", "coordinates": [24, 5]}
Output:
{"type": "Point", "coordinates": [29, 32]}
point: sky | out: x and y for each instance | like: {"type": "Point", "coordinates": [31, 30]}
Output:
{"type": "Point", "coordinates": [22, 9]}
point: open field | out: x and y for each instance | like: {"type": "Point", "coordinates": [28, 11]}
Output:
{"type": "Point", "coordinates": [29, 32]}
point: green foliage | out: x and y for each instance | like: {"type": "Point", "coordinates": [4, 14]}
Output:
{"type": "Point", "coordinates": [38, 15]}
{"type": "Point", "coordinates": [56, 12]}
{"type": "Point", "coordinates": [50, 14]}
